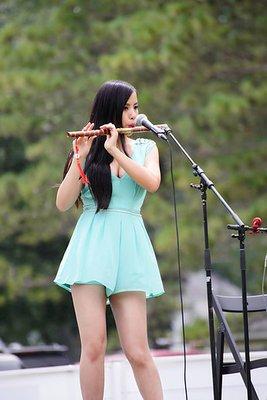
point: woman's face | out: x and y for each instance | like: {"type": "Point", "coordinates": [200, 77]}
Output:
{"type": "Point", "coordinates": [130, 112]}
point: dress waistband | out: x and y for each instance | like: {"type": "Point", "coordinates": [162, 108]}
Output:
{"type": "Point", "coordinates": [119, 210]}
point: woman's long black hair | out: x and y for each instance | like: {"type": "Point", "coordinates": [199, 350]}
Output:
{"type": "Point", "coordinates": [108, 107]}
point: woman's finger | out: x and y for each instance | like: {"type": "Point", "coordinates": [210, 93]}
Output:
{"type": "Point", "coordinates": [111, 126]}
{"type": "Point", "coordinates": [105, 128]}
{"type": "Point", "coordinates": [87, 125]}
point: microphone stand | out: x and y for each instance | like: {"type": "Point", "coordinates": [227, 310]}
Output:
{"type": "Point", "coordinates": [206, 183]}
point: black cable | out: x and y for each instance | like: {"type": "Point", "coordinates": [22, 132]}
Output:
{"type": "Point", "coordinates": [179, 272]}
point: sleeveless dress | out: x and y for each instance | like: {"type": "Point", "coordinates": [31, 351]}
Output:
{"type": "Point", "coordinates": [112, 247]}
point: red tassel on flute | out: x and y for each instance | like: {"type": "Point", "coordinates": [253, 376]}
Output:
{"type": "Point", "coordinates": [83, 176]}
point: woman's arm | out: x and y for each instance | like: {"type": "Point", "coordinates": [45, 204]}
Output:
{"type": "Point", "coordinates": [70, 187]}
{"type": "Point", "coordinates": [147, 176]}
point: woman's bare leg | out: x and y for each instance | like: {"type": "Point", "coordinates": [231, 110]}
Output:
{"type": "Point", "coordinates": [90, 308]}
{"type": "Point", "coordinates": [129, 310]}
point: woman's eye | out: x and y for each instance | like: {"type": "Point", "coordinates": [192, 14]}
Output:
{"type": "Point", "coordinates": [127, 108]}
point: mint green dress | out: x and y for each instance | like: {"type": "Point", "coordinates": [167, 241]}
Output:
{"type": "Point", "coordinates": [112, 248]}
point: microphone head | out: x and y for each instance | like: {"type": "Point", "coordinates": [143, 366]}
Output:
{"type": "Point", "coordinates": [139, 119]}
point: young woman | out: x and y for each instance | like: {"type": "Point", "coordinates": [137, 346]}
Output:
{"type": "Point", "coordinates": [110, 259]}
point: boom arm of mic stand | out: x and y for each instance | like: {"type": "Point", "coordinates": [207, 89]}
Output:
{"type": "Point", "coordinates": [199, 172]}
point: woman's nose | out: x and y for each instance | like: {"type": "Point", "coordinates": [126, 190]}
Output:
{"type": "Point", "coordinates": [133, 114]}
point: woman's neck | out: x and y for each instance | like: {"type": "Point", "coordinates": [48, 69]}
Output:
{"type": "Point", "coordinates": [119, 142]}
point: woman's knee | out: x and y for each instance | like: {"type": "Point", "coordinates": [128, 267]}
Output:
{"type": "Point", "coordinates": [138, 357]}
{"type": "Point", "coordinates": [93, 350]}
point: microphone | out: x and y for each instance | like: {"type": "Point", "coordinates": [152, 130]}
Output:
{"type": "Point", "coordinates": [142, 120]}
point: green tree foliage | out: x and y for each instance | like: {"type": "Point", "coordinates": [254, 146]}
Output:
{"type": "Point", "coordinates": [200, 66]}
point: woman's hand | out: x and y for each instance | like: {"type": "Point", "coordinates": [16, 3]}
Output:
{"type": "Point", "coordinates": [112, 136]}
{"type": "Point", "coordinates": [84, 143]}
